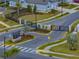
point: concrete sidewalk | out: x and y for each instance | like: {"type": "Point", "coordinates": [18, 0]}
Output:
{"type": "Point", "coordinates": [4, 24]}
{"type": "Point", "coordinates": [47, 50]}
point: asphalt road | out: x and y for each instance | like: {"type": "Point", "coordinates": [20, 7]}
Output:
{"type": "Point", "coordinates": [31, 56]}
{"type": "Point", "coordinates": [55, 35]}
{"type": "Point", "coordinates": [40, 39]}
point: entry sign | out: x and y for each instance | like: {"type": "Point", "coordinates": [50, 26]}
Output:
{"type": "Point", "coordinates": [16, 34]}
{"type": "Point", "coordinates": [12, 3]}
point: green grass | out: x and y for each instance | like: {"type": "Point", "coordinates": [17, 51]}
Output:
{"type": "Point", "coordinates": [11, 23]}
{"type": "Point", "coordinates": [77, 9]}
{"type": "Point", "coordinates": [64, 49]}
{"type": "Point", "coordinates": [68, 6]}
{"type": "Point", "coordinates": [61, 49]}
{"type": "Point", "coordinates": [48, 44]}
{"type": "Point", "coordinates": [8, 21]}
{"type": "Point", "coordinates": [2, 26]}
{"type": "Point", "coordinates": [6, 29]}
{"type": "Point", "coordinates": [74, 25]}
{"type": "Point", "coordinates": [40, 16]}
{"type": "Point", "coordinates": [65, 14]}
{"type": "Point", "coordinates": [57, 55]}
{"type": "Point", "coordinates": [11, 52]}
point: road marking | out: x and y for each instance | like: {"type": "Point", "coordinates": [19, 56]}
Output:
{"type": "Point", "coordinates": [24, 49]}
{"type": "Point", "coordinates": [33, 51]}
{"type": "Point", "coordinates": [7, 46]}
{"type": "Point", "coordinates": [2, 45]}
{"type": "Point", "coordinates": [20, 48]}
{"type": "Point", "coordinates": [16, 46]}
{"type": "Point", "coordinates": [11, 47]}
{"type": "Point", "coordinates": [28, 50]}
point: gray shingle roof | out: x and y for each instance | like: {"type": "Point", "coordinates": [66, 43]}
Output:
{"type": "Point", "coordinates": [38, 1]}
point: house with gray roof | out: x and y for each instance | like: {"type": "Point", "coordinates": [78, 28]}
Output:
{"type": "Point", "coordinates": [42, 5]}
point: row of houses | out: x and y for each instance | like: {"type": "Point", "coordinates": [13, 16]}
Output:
{"type": "Point", "coordinates": [42, 5]}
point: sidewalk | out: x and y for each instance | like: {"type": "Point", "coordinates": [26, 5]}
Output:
{"type": "Point", "coordinates": [67, 10]}
{"type": "Point", "coordinates": [46, 50]}
{"type": "Point", "coordinates": [4, 24]}
{"type": "Point", "coordinates": [48, 19]}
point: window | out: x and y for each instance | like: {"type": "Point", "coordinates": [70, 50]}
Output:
{"type": "Point", "coordinates": [22, 1]}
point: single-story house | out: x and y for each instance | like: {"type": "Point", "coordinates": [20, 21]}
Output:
{"type": "Point", "coordinates": [42, 5]}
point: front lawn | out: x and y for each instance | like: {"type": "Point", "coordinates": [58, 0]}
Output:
{"type": "Point", "coordinates": [39, 16]}
{"type": "Point", "coordinates": [68, 6]}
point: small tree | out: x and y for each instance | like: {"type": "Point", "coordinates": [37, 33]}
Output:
{"type": "Point", "coordinates": [72, 41]}
{"type": "Point", "coordinates": [34, 9]}
{"type": "Point", "coordinates": [29, 8]}
{"type": "Point", "coordinates": [54, 11]}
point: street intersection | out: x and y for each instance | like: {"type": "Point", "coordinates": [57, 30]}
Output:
{"type": "Point", "coordinates": [42, 39]}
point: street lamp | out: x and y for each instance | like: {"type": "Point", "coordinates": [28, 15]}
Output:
{"type": "Point", "coordinates": [34, 11]}
{"type": "Point", "coordinates": [49, 38]}
{"type": "Point", "coordinates": [4, 46]}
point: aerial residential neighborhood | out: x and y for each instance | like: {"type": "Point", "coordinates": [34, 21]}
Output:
{"type": "Point", "coordinates": [39, 29]}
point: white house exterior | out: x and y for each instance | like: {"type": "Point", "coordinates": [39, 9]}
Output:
{"type": "Point", "coordinates": [42, 5]}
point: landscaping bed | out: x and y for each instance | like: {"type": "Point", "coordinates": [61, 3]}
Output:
{"type": "Point", "coordinates": [23, 39]}
{"type": "Point", "coordinates": [44, 31]}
